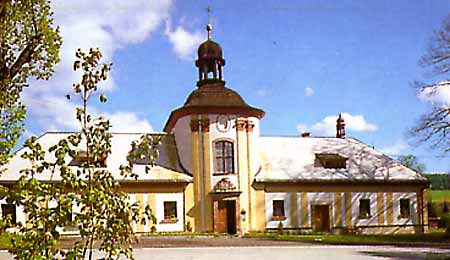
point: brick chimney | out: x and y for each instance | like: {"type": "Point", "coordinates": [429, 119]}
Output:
{"type": "Point", "coordinates": [340, 127]}
{"type": "Point", "coordinates": [306, 134]}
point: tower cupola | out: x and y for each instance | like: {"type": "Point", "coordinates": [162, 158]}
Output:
{"type": "Point", "coordinates": [212, 97]}
{"type": "Point", "coordinates": [210, 61]}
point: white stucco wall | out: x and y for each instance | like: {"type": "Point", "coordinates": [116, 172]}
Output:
{"type": "Point", "coordinates": [159, 214]}
{"type": "Point", "coordinates": [270, 197]}
{"type": "Point", "coordinates": [356, 220]}
{"type": "Point", "coordinates": [182, 133]}
{"type": "Point", "coordinates": [412, 208]}
{"type": "Point", "coordinates": [217, 132]}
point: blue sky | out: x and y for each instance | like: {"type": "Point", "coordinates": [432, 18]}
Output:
{"type": "Point", "coordinates": [303, 62]}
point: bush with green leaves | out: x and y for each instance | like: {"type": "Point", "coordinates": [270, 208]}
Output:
{"type": "Point", "coordinates": [105, 216]}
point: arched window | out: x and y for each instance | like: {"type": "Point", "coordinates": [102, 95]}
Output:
{"type": "Point", "coordinates": [224, 157]}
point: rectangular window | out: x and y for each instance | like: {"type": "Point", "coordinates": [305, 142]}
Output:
{"type": "Point", "coordinates": [332, 160]}
{"type": "Point", "coordinates": [224, 158]}
{"type": "Point", "coordinates": [9, 210]}
{"type": "Point", "coordinates": [278, 210]}
{"type": "Point", "coordinates": [364, 208]}
{"type": "Point", "coordinates": [335, 164]}
{"type": "Point", "coordinates": [170, 210]}
{"type": "Point", "coordinates": [404, 208]}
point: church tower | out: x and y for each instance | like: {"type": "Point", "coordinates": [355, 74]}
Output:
{"type": "Point", "coordinates": [216, 133]}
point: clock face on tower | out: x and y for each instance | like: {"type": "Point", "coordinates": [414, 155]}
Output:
{"type": "Point", "coordinates": [223, 123]}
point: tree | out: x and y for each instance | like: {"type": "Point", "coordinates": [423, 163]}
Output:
{"type": "Point", "coordinates": [105, 214]}
{"type": "Point", "coordinates": [434, 126]}
{"type": "Point", "coordinates": [29, 47]}
{"type": "Point", "coordinates": [412, 163]}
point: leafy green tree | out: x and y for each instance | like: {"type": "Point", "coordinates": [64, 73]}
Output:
{"type": "Point", "coordinates": [106, 215]}
{"type": "Point", "coordinates": [29, 47]}
{"type": "Point", "coordinates": [411, 162]}
{"type": "Point", "coordinates": [434, 126]}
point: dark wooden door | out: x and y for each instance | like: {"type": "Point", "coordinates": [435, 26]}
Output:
{"type": "Point", "coordinates": [231, 216]}
{"type": "Point", "coordinates": [220, 217]}
{"type": "Point", "coordinates": [321, 218]}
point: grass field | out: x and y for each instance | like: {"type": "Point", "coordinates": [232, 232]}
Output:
{"type": "Point", "coordinates": [440, 195]}
{"type": "Point", "coordinates": [5, 241]}
{"type": "Point", "coordinates": [395, 239]}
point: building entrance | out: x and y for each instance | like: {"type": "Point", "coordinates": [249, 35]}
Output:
{"type": "Point", "coordinates": [321, 215]}
{"type": "Point", "coordinates": [225, 216]}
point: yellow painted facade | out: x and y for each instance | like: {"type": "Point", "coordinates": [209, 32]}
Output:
{"type": "Point", "coordinates": [425, 195]}
{"type": "Point", "coordinates": [348, 210]}
{"type": "Point", "coordinates": [338, 208]}
{"type": "Point", "coordinates": [208, 205]}
{"type": "Point", "coordinates": [242, 160]}
{"type": "Point", "coordinates": [140, 200]}
{"type": "Point", "coordinates": [250, 178]}
{"type": "Point", "coordinates": [259, 210]}
{"type": "Point", "coordinates": [294, 210]}
{"type": "Point", "coordinates": [195, 149]}
{"type": "Point", "coordinates": [304, 201]}
{"type": "Point", "coordinates": [390, 208]}
{"type": "Point", "coordinates": [189, 205]}
{"type": "Point", "coordinates": [380, 208]}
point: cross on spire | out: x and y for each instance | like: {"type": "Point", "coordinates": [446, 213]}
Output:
{"type": "Point", "coordinates": [208, 26]}
{"type": "Point", "coordinates": [208, 9]}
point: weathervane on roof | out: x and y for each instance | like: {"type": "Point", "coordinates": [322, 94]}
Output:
{"type": "Point", "coordinates": [208, 26]}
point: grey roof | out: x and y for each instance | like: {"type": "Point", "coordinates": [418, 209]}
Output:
{"type": "Point", "coordinates": [294, 159]}
{"type": "Point", "coordinates": [167, 168]}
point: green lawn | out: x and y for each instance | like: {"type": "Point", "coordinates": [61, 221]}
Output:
{"type": "Point", "coordinates": [403, 239]}
{"type": "Point", "coordinates": [5, 241]}
{"type": "Point", "coordinates": [440, 195]}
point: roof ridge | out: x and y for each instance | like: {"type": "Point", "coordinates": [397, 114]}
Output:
{"type": "Point", "coordinates": [128, 133]}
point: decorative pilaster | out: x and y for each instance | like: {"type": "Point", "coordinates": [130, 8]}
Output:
{"type": "Point", "coordinates": [241, 124]}
{"type": "Point", "coordinates": [390, 208]}
{"type": "Point", "coordinates": [249, 126]}
{"type": "Point", "coordinates": [425, 195]}
{"type": "Point", "coordinates": [195, 152]}
{"type": "Point", "coordinates": [348, 210]}
{"type": "Point", "coordinates": [380, 208]}
{"type": "Point", "coordinates": [305, 210]}
{"type": "Point", "coordinates": [338, 209]}
{"type": "Point", "coordinates": [140, 200]}
{"type": "Point", "coordinates": [195, 125]}
{"type": "Point", "coordinates": [206, 152]}
{"type": "Point", "coordinates": [205, 125]}
{"type": "Point", "coordinates": [242, 162]}
{"type": "Point", "coordinates": [294, 210]}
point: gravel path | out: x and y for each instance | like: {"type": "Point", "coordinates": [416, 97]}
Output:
{"type": "Point", "coordinates": [183, 241]}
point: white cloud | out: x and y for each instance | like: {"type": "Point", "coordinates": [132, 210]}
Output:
{"type": "Point", "coordinates": [184, 43]}
{"type": "Point", "coordinates": [439, 95]}
{"type": "Point", "coordinates": [108, 25]}
{"type": "Point", "coordinates": [127, 122]}
{"type": "Point", "coordinates": [58, 114]}
{"type": "Point", "coordinates": [309, 91]}
{"type": "Point", "coordinates": [327, 126]}
{"type": "Point", "coordinates": [395, 149]}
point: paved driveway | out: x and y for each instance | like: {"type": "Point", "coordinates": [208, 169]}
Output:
{"type": "Point", "coordinates": [290, 252]}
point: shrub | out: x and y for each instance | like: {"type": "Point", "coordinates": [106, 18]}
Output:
{"type": "Point", "coordinates": [188, 227]}
{"type": "Point", "coordinates": [280, 228]}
